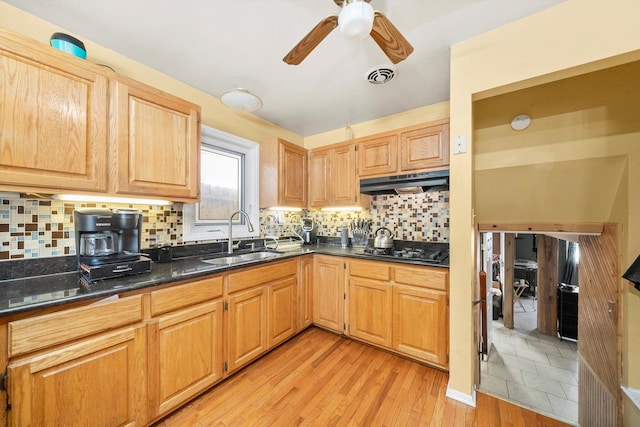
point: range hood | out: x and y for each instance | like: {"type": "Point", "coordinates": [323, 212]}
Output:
{"type": "Point", "coordinates": [406, 184]}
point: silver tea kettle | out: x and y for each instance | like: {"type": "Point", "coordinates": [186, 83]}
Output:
{"type": "Point", "coordinates": [383, 241]}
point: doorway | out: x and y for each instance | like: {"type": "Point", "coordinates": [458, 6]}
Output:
{"type": "Point", "coordinates": [527, 362]}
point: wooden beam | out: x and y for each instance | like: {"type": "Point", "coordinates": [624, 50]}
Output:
{"type": "Point", "coordinates": [543, 227]}
{"type": "Point", "coordinates": [507, 286]}
{"type": "Point", "coordinates": [547, 291]}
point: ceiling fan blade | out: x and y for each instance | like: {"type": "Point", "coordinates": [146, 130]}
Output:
{"type": "Point", "coordinates": [392, 43]}
{"type": "Point", "coordinates": [311, 40]}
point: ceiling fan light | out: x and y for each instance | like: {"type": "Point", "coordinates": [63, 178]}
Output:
{"type": "Point", "coordinates": [356, 20]}
{"type": "Point", "coordinates": [241, 99]}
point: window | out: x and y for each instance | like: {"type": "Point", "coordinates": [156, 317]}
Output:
{"type": "Point", "coordinates": [228, 182]}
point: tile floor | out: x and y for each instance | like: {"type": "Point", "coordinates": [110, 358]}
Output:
{"type": "Point", "coordinates": [533, 370]}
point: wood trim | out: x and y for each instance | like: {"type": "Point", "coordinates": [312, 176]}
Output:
{"type": "Point", "coordinates": [599, 305]}
{"type": "Point", "coordinates": [594, 228]}
{"type": "Point", "coordinates": [507, 286]}
{"type": "Point", "coordinates": [547, 285]}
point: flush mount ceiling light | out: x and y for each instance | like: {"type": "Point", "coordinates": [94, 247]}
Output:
{"type": "Point", "coordinates": [356, 20]}
{"type": "Point", "coordinates": [241, 99]}
{"type": "Point", "coordinates": [520, 122]}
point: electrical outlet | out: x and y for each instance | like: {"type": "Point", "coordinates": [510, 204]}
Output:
{"type": "Point", "coordinates": [459, 144]}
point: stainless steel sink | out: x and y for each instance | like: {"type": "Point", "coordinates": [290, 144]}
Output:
{"type": "Point", "coordinates": [258, 255]}
{"type": "Point", "coordinates": [225, 260]}
{"type": "Point", "coordinates": [238, 259]}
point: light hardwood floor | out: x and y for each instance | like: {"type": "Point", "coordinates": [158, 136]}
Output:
{"type": "Point", "coordinates": [321, 379]}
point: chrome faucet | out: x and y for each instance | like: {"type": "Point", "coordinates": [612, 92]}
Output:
{"type": "Point", "coordinates": [249, 225]}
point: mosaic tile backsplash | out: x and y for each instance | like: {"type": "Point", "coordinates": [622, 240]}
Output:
{"type": "Point", "coordinates": [35, 228]}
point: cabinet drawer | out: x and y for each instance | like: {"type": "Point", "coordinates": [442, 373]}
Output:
{"type": "Point", "coordinates": [425, 277]}
{"type": "Point", "coordinates": [176, 297]}
{"type": "Point", "coordinates": [55, 328]}
{"type": "Point", "coordinates": [255, 276]}
{"type": "Point", "coordinates": [370, 269]}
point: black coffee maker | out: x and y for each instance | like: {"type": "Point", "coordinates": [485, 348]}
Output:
{"type": "Point", "coordinates": [108, 243]}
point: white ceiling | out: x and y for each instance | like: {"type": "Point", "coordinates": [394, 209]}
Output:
{"type": "Point", "coordinates": [216, 45]}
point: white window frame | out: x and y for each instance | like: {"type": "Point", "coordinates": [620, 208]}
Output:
{"type": "Point", "coordinates": [203, 232]}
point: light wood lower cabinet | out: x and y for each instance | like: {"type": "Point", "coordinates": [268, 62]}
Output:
{"type": "Point", "coordinates": [185, 343]}
{"type": "Point", "coordinates": [247, 327]}
{"type": "Point", "coordinates": [97, 371]}
{"type": "Point", "coordinates": [403, 308]}
{"type": "Point", "coordinates": [420, 323]}
{"type": "Point", "coordinates": [370, 311]}
{"type": "Point", "coordinates": [97, 379]}
{"type": "Point", "coordinates": [305, 292]}
{"type": "Point", "coordinates": [282, 310]}
{"type": "Point", "coordinates": [328, 292]}
{"type": "Point", "coordinates": [262, 310]}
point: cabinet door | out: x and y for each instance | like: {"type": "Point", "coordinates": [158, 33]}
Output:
{"type": "Point", "coordinates": [282, 310]}
{"type": "Point", "coordinates": [378, 156]}
{"type": "Point", "coordinates": [319, 178]}
{"type": "Point", "coordinates": [344, 176]}
{"type": "Point", "coordinates": [156, 138]}
{"type": "Point", "coordinates": [293, 176]}
{"type": "Point", "coordinates": [247, 326]}
{"type": "Point", "coordinates": [97, 381]}
{"type": "Point", "coordinates": [53, 119]}
{"type": "Point", "coordinates": [328, 292]}
{"type": "Point", "coordinates": [370, 311]}
{"type": "Point", "coordinates": [305, 293]}
{"type": "Point", "coordinates": [424, 148]}
{"type": "Point", "coordinates": [185, 355]}
{"type": "Point", "coordinates": [420, 323]}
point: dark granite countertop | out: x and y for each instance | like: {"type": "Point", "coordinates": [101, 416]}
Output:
{"type": "Point", "coordinates": [35, 292]}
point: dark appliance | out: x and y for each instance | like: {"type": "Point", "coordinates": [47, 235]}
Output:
{"type": "Point", "coordinates": [633, 273]}
{"type": "Point", "coordinates": [406, 184]}
{"type": "Point", "coordinates": [108, 243]}
{"type": "Point", "coordinates": [568, 311]}
{"type": "Point", "coordinates": [308, 231]}
{"type": "Point", "coordinates": [427, 253]}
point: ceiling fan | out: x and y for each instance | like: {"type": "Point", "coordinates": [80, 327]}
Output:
{"type": "Point", "coordinates": [357, 19]}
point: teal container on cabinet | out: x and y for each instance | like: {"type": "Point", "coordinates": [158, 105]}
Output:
{"type": "Point", "coordinates": [69, 44]}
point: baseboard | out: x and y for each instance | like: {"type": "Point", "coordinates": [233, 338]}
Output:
{"type": "Point", "coordinates": [467, 399]}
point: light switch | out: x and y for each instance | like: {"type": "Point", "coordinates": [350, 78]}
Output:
{"type": "Point", "coordinates": [459, 144]}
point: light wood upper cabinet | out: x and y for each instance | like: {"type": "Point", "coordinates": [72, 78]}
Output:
{"type": "Point", "coordinates": [328, 292]}
{"type": "Point", "coordinates": [343, 178]}
{"type": "Point", "coordinates": [424, 148]}
{"type": "Point", "coordinates": [378, 156]}
{"type": "Point", "coordinates": [333, 177]}
{"type": "Point", "coordinates": [70, 125]}
{"type": "Point", "coordinates": [319, 178]}
{"type": "Point", "coordinates": [53, 119]}
{"type": "Point", "coordinates": [156, 141]}
{"type": "Point", "coordinates": [283, 174]}
{"type": "Point", "coordinates": [407, 150]}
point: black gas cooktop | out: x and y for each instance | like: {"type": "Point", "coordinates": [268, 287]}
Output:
{"type": "Point", "coordinates": [437, 253]}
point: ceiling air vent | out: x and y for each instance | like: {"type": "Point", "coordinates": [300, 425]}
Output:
{"type": "Point", "coordinates": [380, 74]}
